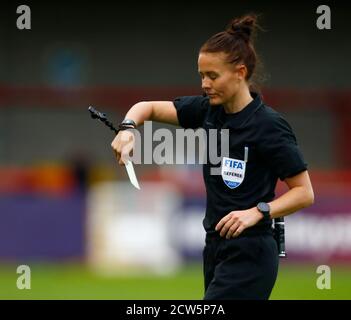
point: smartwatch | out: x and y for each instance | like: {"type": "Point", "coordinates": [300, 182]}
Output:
{"type": "Point", "coordinates": [127, 124]}
{"type": "Point", "coordinates": [265, 209]}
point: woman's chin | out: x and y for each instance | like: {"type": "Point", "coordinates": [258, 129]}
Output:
{"type": "Point", "coordinates": [214, 101]}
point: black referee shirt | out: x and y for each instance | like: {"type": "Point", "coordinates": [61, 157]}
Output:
{"type": "Point", "coordinates": [271, 148]}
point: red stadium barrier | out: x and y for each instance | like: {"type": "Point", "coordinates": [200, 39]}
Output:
{"type": "Point", "coordinates": [338, 102]}
{"type": "Point", "coordinates": [122, 97]}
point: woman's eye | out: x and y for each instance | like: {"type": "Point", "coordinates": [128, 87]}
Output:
{"type": "Point", "coordinates": [211, 76]}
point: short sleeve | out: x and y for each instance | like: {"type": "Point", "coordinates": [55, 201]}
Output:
{"type": "Point", "coordinates": [278, 146]}
{"type": "Point", "coordinates": [191, 111]}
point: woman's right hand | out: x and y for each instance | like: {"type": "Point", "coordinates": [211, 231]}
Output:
{"type": "Point", "coordinates": [123, 145]}
{"type": "Point", "coordinates": [160, 111]}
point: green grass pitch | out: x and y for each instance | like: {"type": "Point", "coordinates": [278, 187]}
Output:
{"type": "Point", "coordinates": [75, 281]}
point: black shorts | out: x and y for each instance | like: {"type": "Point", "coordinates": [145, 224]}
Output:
{"type": "Point", "coordinates": [245, 267]}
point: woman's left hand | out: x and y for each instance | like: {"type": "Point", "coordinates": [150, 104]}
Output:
{"type": "Point", "coordinates": [235, 222]}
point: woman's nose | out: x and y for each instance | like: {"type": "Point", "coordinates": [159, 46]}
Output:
{"type": "Point", "coordinates": [205, 84]}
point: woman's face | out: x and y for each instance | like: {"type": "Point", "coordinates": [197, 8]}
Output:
{"type": "Point", "coordinates": [220, 80]}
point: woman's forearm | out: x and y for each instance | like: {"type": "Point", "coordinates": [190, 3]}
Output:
{"type": "Point", "coordinates": [293, 200]}
{"type": "Point", "coordinates": [160, 111]}
{"type": "Point", "coordinates": [140, 112]}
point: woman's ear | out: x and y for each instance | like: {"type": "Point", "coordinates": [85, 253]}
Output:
{"type": "Point", "coordinates": [242, 71]}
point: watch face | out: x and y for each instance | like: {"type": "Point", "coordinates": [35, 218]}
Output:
{"type": "Point", "coordinates": [128, 122]}
{"type": "Point", "coordinates": [263, 207]}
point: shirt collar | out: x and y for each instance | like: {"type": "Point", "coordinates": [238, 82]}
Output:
{"type": "Point", "coordinates": [238, 119]}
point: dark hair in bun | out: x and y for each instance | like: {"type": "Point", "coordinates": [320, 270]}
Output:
{"type": "Point", "coordinates": [237, 42]}
{"type": "Point", "coordinates": [244, 26]}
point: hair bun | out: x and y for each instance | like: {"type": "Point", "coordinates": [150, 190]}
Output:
{"type": "Point", "coordinates": [243, 26]}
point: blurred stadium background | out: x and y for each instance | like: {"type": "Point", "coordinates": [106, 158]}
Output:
{"type": "Point", "coordinates": [68, 211]}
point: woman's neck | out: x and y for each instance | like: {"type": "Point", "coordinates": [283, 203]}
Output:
{"type": "Point", "coordinates": [239, 101]}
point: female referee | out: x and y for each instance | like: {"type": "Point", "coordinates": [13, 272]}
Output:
{"type": "Point", "coordinates": [240, 258]}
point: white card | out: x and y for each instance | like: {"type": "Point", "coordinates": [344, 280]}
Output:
{"type": "Point", "coordinates": [131, 174]}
